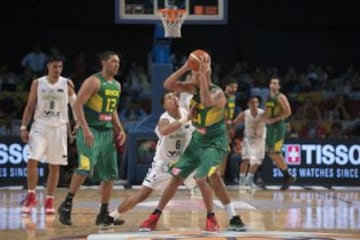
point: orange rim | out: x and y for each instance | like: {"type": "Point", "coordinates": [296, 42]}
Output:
{"type": "Point", "coordinates": [172, 14]}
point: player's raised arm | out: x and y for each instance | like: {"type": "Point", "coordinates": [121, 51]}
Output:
{"type": "Point", "coordinates": [172, 83]}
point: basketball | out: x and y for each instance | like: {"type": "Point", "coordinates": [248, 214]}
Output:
{"type": "Point", "coordinates": [196, 58]}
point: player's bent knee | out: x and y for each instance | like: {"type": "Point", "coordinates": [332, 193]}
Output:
{"type": "Point", "coordinates": [200, 181]}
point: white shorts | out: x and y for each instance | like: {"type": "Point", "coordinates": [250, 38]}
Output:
{"type": "Point", "coordinates": [48, 143]}
{"type": "Point", "coordinates": [158, 177]}
{"type": "Point", "coordinates": [253, 149]}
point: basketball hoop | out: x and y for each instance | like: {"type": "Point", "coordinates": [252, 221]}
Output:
{"type": "Point", "coordinates": [172, 19]}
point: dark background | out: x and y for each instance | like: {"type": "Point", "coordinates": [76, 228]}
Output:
{"type": "Point", "coordinates": [263, 33]}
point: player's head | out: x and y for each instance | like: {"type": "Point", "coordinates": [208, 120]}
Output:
{"type": "Point", "coordinates": [54, 66]}
{"type": "Point", "coordinates": [274, 84]}
{"type": "Point", "coordinates": [169, 100]}
{"type": "Point", "coordinates": [110, 62]}
{"type": "Point", "coordinates": [231, 86]}
{"type": "Point", "coordinates": [253, 102]}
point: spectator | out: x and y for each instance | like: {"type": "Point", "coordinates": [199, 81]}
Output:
{"type": "Point", "coordinates": [309, 110]}
{"type": "Point", "coordinates": [132, 111]}
{"type": "Point", "coordinates": [8, 79]}
{"type": "Point", "coordinates": [340, 111]}
{"type": "Point", "coordinates": [35, 60]}
{"type": "Point", "coordinates": [337, 131]}
{"type": "Point", "coordinates": [312, 129]}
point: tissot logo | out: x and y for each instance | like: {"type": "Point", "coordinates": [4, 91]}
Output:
{"type": "Point", "coordinates": [293, 154]}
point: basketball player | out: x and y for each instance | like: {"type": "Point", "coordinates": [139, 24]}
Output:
{"type": "Point", "coordinates": [48, 101]}
{"type": "Point", "coordinates": [277, 111]}
{"type": "Point", "coordinates": [253, 149]}
{"type": "Point", "coordinates": [231, 87]}
{"type": "Point", "coordinates": [96, 109]}
{"type": "Point", "coordinates": [174, 131]}
{"type": "Point", "coordinates": [206, 149]}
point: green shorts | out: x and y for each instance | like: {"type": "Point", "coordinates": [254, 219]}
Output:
{"type": "Point", "coordinates": [205, 156]}
{"type": "Point", "coordinates": [100, 161]}
{"type": "Point", "coordinates": [275, 135]}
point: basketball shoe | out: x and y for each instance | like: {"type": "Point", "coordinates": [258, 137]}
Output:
{"type": "Point", "coordinates": [150, 223]}
{"type": "Point", "coordinates": [105, 220]}
{"type": "Point", "coordinates": [236, 224]}
{"type": "Point", "coordinates": [29, 203]}
{"type": "Point", "coordinates": [211, 225]}
{"type": "Point", "coordinates": [64, 212]}
{"type": "Point", "coordinates": [287, 182]}
{"type": "Point", "coordinates": [49, 205]}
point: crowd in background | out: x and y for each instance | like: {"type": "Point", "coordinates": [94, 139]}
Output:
{"type": "Point", "coordinates": [325, 101]}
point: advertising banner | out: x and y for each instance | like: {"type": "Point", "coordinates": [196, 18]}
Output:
{"type": "Point", "coordinates": [329, 162]}
{"type": "Point", "coordinates": [13, 158]}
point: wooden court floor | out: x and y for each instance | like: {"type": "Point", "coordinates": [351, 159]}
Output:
{"type": "Point", "coordinates": [269, 214]}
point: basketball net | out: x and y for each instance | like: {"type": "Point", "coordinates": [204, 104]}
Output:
{"type": "Point", "coordinates": [172, 19]}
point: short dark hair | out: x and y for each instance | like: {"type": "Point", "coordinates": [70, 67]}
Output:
{"type": "Point", "coordinates": [106, 55]}
{"type": "Point", "coordinates": [55, 58]}
{"type": "Point", "coordinates": [275, 77]}
{"type": "Point", "coordinates": [230, 80]}
{"type": "Point", "coordinates": [162, 99]}
{"type": "Point", "coordinates": [254, 96]}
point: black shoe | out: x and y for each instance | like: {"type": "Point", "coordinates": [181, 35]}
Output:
{"type": "Point", "coordinates": [118, 222]}
{"type": "Point", "coordinates": [64, 212]}
{"type": "Point", "coordinates": [236, 224]}
{"type": "Point", "coordinates": [105, 220]}
{"type": "Point", "coordinates": [287, 183]}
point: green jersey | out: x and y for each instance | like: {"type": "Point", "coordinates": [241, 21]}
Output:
{"type": "Point", "coordinates": [273, 108]}
{"type": "Point", "coordinates": [209, 121]}
{"type": "Point", "coordinates": [101, 106]}
{"type": "Point", "coordinates": [230, 108]}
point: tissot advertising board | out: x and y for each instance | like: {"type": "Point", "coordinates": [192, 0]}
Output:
{"type": "Point", "coordinates": [331, 162]}
{"type": "Point", "coordinates": [13, 158]}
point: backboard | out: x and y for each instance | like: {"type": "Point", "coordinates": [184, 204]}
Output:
{"type": "Point", "coordinates": [146, 11]}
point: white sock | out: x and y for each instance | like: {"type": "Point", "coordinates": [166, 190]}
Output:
{"type": "Point", "coordinates": [250, 174]}
{"type": "Point", "coordinates": [48, 196]}
{"type": "Point", "coordinates": [115, 214]}
{"type": "Point", "coordinates": [230, 210]}
{"type": "Point", "coordinates": [31, 190]}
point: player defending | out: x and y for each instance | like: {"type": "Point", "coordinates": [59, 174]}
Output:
{"type": "Point", "coordinates": [174, 131]}
{"type": "Point", "coordinates": [277, 111]}
{"type": "Point", "coordinates": [253, 149]}
{"type": "Point", "coordinates": [96, 109]}
{"type": "Point", "coordinates": [206, 150]}
{"type": "Point", "coordinates": [48, 98]}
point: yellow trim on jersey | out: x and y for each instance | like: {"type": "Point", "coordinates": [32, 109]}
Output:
{"type": "Point", "coordinates": [212, 170]}
{"type": "Point", "coordinates": [84, 163]}
{"type": "Point", "coordinates": [278, 145]}
{"type": "Point", "coordinates": [95, 103]}
{"type": "Point", "coordinates": [231, 104]}
{"type": "Point", "coordinates": [213, 116]}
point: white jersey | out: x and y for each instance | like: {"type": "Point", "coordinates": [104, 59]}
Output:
{"type": "Point", "coordinates": [184, 100]}
{"type": "Point", "coordinates": [254, 126]}
{"type": "Point", "coordinates": [253, 146]}
{"type": "Point", "coordinates": [169, 148]}
{"type": "Point", "coordinates": [52, 100]}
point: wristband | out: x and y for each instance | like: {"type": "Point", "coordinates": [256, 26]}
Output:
{"type": "Point", "coordinates": [23, 128]}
